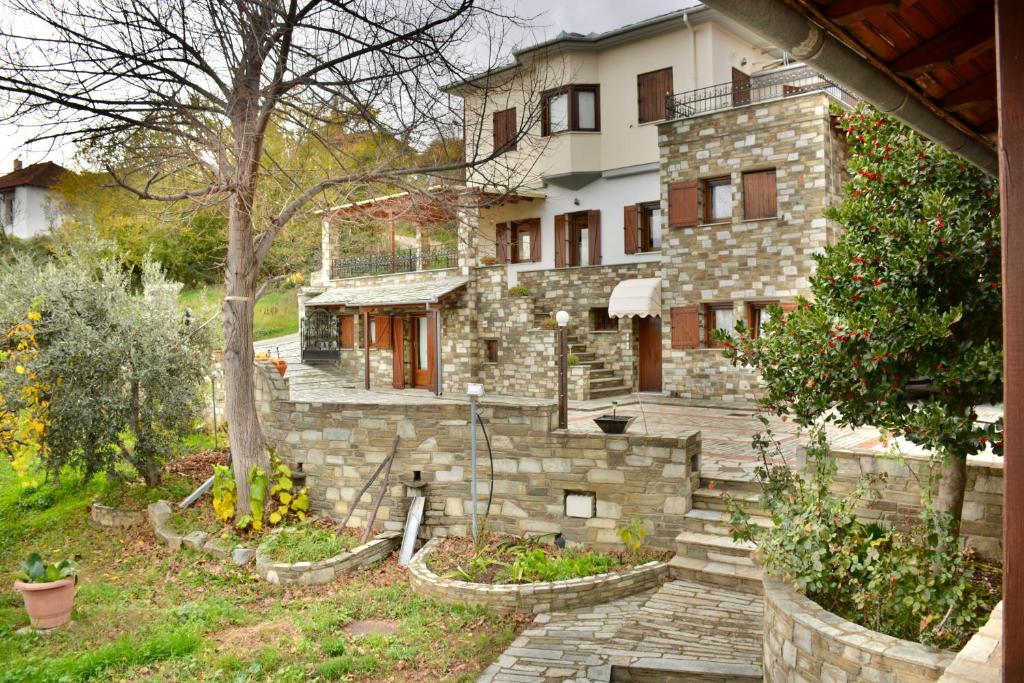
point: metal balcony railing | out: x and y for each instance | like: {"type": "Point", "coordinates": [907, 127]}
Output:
{"type": "Point", "coordinates": [771, 86]}
{"type": "Point", "coordinates": [401, 261]}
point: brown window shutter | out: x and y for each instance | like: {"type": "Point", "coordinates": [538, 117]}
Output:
{"type": "Point", "coordinates": [383, 325]}
{"type": "Point", "coordinates": [504, 128]}
{"type": "Point", "coordinates": [759, 194]}
{"type": "Point", "coordinates": [630, 222]}
{"type": "Point", "coordinates": [348, 331]}
{"type": "Point", "coordinates": [535, 240]}
{"type": "Point", "coordinates": [398, 359]}
{"type": "Point", "coordinates": [740, 88]}
{"type": "Point", "coordinates": [560, 241]}
{"type": "Point", "coordinates": [594, 236]}
{"type": "Point", "coordinates": [653, 89]}
{"type": "Point", "coordinates": [501, 231]}
{"type": "Point", "coordinates": [682, 204]}
{"type": "Point", "coordinates": [685, 327]}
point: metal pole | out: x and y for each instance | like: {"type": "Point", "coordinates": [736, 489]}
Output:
{"type": "Point", "coordinates": [213, 402]}
{"type": "Point", "coordinates": [563, 378]}
{"type": "Point", "coordinates": [472, 460]}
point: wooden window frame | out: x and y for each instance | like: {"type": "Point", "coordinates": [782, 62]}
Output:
{"type": "Point", "coordinates": [509, 131]}
{"type": "Point", "coordinates": [602, 322]}
{"type": "Point", "coordinates": [645, 235]}
{"type": "Point", "coordinates": [755, 309]}
{"type": "Point", "coordinates": [490, 350]}
{"type": "Point", "coordinates": [573, 124]}
{"type": "Point", "coordinates": [709, 322]}
{"type": "Point", "coordinates": [746, 196]}
{"type": "Point", "coordinates": [707, 186]}
{"type": "Point", "coordinates": [530, 226]}
{"type": "Point", "coordinates": [663, 108]}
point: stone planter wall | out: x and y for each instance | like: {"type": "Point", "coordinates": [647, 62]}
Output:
{"type": "Point", "coordinates": [325, 571]}
{"type": "Point", "coordinates": [159, 513]}
{"type": "Point", "coordinates": [803, 642]}
{"type": "Point", "coordinates": [981, 660]}
{"type": "Point", "coordinates": [106, 516]}
{"type": "Point", "coordinates": [900, 499]}
{"type": "Point", "coordinates": [535, 597]}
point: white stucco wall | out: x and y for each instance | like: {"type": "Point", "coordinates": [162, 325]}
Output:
{"type": "Point", "coordinates": [35, 213]}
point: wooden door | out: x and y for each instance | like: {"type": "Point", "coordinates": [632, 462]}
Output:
{"type": "Point", "coordinates": [740, 88]}
{"type": "Point", "coordinates": [650, 354]}
{"type": "Point", "coordinates": [422, 352]}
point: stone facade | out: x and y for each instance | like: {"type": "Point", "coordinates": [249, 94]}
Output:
{"type": "Point", "coordinates": [739, 261]}
{"type": "Point", "coordinates": [535, 597]}
{"type": "Point", "coordinates": [900, 494]}
{"type": "Point", "coordinates": [803, 643]}
{"type": "Point", "coordinates": [535, 466]}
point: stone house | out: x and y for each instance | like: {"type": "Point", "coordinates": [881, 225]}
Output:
{"type": "Point", "coordinates": [28, 206]}
{"type": "Point", "coordinates": [672, 182]}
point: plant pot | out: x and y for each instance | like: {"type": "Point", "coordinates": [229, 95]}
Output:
{"type": "Point", "coordinates": [280, 364]}
{"type": "Point", "coordinates": [48, 604]}
{"type": "Point", "coordinates": [614, 424]}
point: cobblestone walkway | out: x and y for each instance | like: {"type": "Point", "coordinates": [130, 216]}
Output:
{"type": "Point", "coordinates": [683, 626]}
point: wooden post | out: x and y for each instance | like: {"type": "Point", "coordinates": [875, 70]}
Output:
{"type": "Point", "coordinates": [1010, 104]}
{"type": "Point", "coordinates": [366, 348]}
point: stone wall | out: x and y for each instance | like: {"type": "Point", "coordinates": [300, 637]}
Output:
{"type": "Point", "coordinates": [803, 642]}
{"type": "Point", "coordinates": [981, 660]}
{"type": "Point", "coordinates": [742, 261]}
{"type": "Point", "coordinates": [535, 466]}
{"type": "Point", "coordinates": [325, 571]}
{"type": "Point", "coordinates": [535, 598]}
{"type": "Point", "coordinates": [900, 499]}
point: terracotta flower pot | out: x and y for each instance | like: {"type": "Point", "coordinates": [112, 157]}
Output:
{"type": "Point", "coordinates": [280, 364]}
{"type": "Point", "coordinates": [48, 604]}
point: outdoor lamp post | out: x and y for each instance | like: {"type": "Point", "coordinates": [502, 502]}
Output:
{"type": "Point", "coordinates": [562, 318]}
{"type": "Point", "coordinates": [475, 391]}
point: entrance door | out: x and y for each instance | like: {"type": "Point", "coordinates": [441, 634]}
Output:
{"type": "Point", "coordinates": [650, 354]}
{"type": "Point", "coordinates": [422, 352]}
{"type": "Point", "coordinates": [740, 88]}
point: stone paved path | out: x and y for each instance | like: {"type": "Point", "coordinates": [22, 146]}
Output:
{"type": "Point", "coordinates": [682, 625]}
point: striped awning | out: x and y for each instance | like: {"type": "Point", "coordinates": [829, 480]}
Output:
{"type": "Point", "coordinates": [640, 297]}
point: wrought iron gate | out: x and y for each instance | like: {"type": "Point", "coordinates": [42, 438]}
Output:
{"type": "Point", "coordinates": [319, 336]}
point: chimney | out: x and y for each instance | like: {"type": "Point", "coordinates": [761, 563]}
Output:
{"type": "Point", "coordinates": [17, 164]}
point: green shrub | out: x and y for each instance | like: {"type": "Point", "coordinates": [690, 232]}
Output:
{"type": "Point", "coordinates": [519, 290]}
{"type": "Point", "coordinates": [305, 544]}
{"type": "Point", "coordinates": [572, 359]}
{"type": "Point", "coordinates": [128, 495]}
{"type": "Point", "coordinates": [531, 566]}
{"type": "Point", "coordinates": [896, 581]}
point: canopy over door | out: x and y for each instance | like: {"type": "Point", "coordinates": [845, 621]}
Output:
{"type": "Point", "coordinates": [640, 297]}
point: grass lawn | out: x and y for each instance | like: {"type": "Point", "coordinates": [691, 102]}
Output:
{"type": "Point", "coordinates": [144, 613]}
{"type": "Point", "coordinates": [277, 313]}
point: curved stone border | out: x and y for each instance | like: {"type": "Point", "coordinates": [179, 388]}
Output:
{"type": "Point", "coordinates": [804, 641]}
{"type": "Point", "coordinates": [535, 597]}
{"type": "Point", "coordinates": [161, 511]}
{"type": "Point", "coordinates": [325, 571]}
{"type": "Point", "coordinates": [106, 516]}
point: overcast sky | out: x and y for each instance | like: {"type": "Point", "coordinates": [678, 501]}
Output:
{"type": "Point", "coordinates": [552, 17]}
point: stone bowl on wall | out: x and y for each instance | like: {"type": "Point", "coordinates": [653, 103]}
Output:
{"type": "Point", "coordinates": [535, 597]}
{"type": "Point", "coordinates": [803, 641]}
{"type": "Point", "coordinates": [325, 571]}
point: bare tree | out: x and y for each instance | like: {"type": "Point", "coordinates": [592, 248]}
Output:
{"type": "Point", "coordinates": [176, 99]}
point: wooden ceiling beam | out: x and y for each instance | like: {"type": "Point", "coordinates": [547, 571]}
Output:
{"type": "Point", "coordinates": [968, 38]}
{"type": "Point", "coordinates": [979, 91]}
{"type": "Point", "coordinates": [851, 11]}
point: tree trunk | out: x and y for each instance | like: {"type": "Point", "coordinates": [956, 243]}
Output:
{"type": "Point", "coordinates": [244, 433]}
{"type": "Point", "coordinates": [949, 498]}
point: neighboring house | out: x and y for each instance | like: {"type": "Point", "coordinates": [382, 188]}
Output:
{"type": "Point", "coordinates": [28, 207]}
{"type": "Point", "coordinates": [674, 181]}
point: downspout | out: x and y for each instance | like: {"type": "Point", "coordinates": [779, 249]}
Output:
{"type": "Point", "coordinates": [788, 30]}
{"type": "Point", "coordinates": [693, 48]}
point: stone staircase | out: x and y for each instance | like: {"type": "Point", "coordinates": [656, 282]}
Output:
{"type": "Point", "coordinates": [705, 550]}
{"type": "Point", "coordinates": [604, 381]}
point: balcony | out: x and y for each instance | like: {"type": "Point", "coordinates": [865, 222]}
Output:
{"type": "Point", "coordinates": [398, 261]}
{"type": "Point", "coordinates": [772, 86]}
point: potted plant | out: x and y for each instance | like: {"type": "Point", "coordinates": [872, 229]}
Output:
{"type": "Point", "coordinates": [48, 590]}
{"type": "Point", "coordinates": [280, 363]}
{"type": "Point", "coordinates": [613, 424]}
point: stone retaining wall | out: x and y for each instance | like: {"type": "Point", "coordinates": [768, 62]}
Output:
{"type": "Point", "coordinates": [536, 466]}
{"type": "Point", "coordinates": [325, 571]}
{"type": "Point", "coordinates": [106, 516]}
{"type": "Point", "coordinates": [900, 499]}
{"type": "Point", "coordinates": [159, 514]}
{"type": "Point", "coordinates": [981, 660]}
{"type": "Point", "coordinates": [803, 642]}
{"type": "Point", "coordinates": [535, 597]}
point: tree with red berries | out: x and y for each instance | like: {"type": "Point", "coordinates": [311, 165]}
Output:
{"type": "Point", "coordinates": [905, 326]}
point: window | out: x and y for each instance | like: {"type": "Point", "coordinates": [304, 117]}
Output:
{"type": "Point", "coordinates": [652, 92]}
{"type": "Point", "coordinates": [601, 322]}
{"type": "Point", "coordinates": [492, 350]}
{"type": "Point", "coordinates": [649, 238]}
{"type": "Point", "coordinates": [380, 332]}
{"type": "Point", "coordinates": [573, 107]}
{"type": "Point", "coordinates": [526, 241]}
{"type": "Point", "coordinates": [7, 206]}
{"type": "Point", "coordinates": [717, 200]}
{"type": "Point", "coordinates": [505, 130]}
{"type": "Point", "coordinates": [758, 314]}
{"type": "Point", "coordinates": [718, 317]}
{"type": "Point", "coordinates": [759, 195]}
{"type": "Point", "coordinates": [584, 237]}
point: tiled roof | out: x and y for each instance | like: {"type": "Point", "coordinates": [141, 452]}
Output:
{"type": "Point", "coordinates": [389, 295]}
{"type": "Point", "coordinates": [46, 174]}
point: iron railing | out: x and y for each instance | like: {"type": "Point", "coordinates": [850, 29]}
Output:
{"type": "Point", "coordinates": [758, 89]}
{"type": "Point", "coordinates": [401, 261]}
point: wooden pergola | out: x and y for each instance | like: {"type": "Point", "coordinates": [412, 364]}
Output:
{"type": "Point", "coordinates": [959, 65]}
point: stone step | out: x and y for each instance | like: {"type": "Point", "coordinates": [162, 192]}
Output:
{"type": "Point", "coordinates": [741, 579]}
{"type": "Point", "coordinates": [716, 522]}
{"type": "Point", "coordinates": [715, 548]}
{"type": "Point", "coordinates": [672, 670]}
{"type": "Point", "coordinates": [714, 499]}
{"type": "Point", "coordinates": [605, 392]}
{"type": "Point", "coordinates": [601, 381]}
{"type": "Point", "coordinates": [597, 370]}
